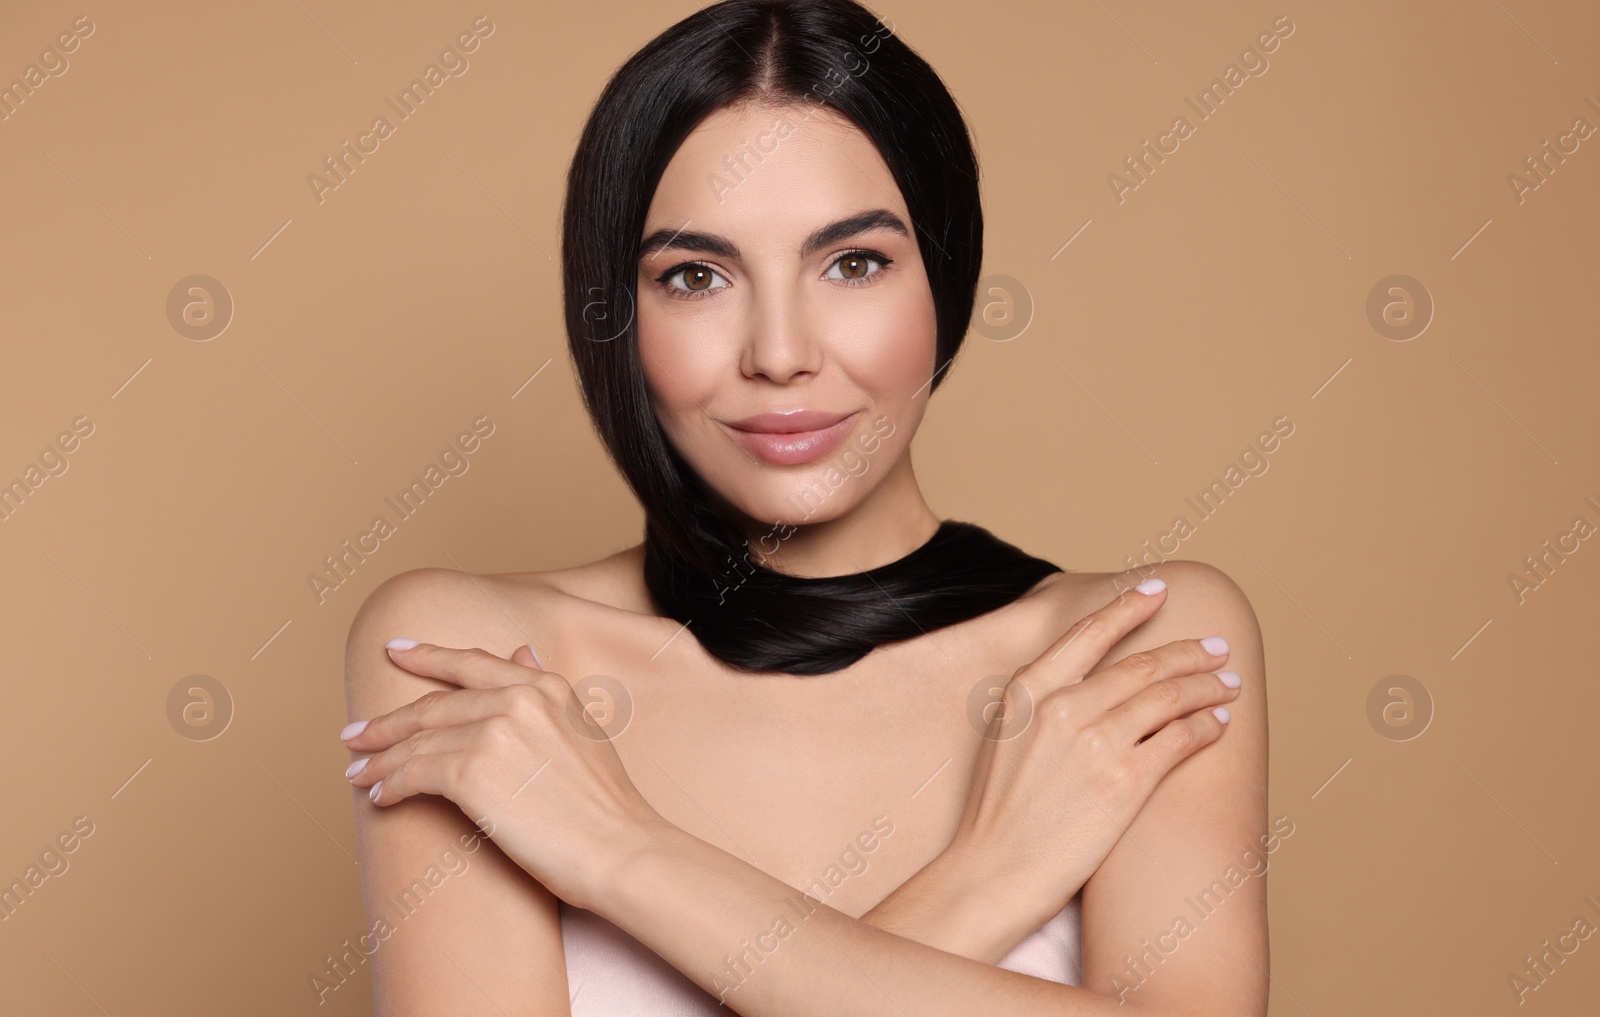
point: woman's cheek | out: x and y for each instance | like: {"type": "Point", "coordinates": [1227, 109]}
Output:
{"type": "Point", "coordinates": [898, 348]}
{"type": "Point", "coordinates": [680, 381]}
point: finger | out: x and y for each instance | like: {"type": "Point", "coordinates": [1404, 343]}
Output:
{"type": "Point", "coordinates": [472, 668]}
{"type": "Point", "coordinates": [527, 657]}
{"type": "Point", "coordinates": [440, 708]}
{"type": "Point", "coordinates": [1183, 738]}
{"type": "Point", "coordinates": [454, 775]}
{"type": "Point", "coordinates": [1169, 699]}
{"type": "Point", "coordinates": [1090, 638]}
{"type": "Point", "coordinates": [370, 769]}
{"type": "Point", "coordinates": [1118, 684]}
{"type": "Point", "coordinates": [425, 773]}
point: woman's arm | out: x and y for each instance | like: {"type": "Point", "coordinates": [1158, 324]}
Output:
{"type": "Point", "coordinates": [1178, 909]}
{"type": "Point", "coordinates": [453, 925]}
{"type": "Point", "coordinates": [765, 949]}
{"type": "Point", "coordinates": [967, 899]}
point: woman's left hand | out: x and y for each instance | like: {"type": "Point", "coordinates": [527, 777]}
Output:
{"type": "Point", "coordinates": [506, 748]}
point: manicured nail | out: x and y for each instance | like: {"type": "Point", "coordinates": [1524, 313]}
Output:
{"type": "Point", "coordinates": [536, 659]}
{"type": "Point", "coordinates": [1222, 713]}
{"type": "Point", "coordinates": [1151, 586]}
{"type": "Point", "coordinates": [1215, 645]}
{"type": "Point", "coordinates": [352, 729]}
{"type": "Point", "coordinates": [357, 766]}
{"type": "Point", "coordinates": [1229, 678]}
{"type": "Point", "coordinates": [400, 643]}
{"type": "Point", "coordinates": [373, 794]}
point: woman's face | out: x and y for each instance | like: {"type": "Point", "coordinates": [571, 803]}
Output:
{"type": "Point", "coordinates": [781, 280]}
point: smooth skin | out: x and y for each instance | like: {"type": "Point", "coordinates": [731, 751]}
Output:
{"type": "Point", "coordinates": [659, 829]}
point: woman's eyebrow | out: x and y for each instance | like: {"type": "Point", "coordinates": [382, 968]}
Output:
{"type": "Point", "coordinates": [722, 247]}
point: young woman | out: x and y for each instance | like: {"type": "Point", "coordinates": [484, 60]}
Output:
{"type": "Point", "coordinates": [808, 748]}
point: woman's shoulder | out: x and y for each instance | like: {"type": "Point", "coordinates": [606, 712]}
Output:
{"type": "Point", "coordinates": [1197, 591]}
{"type": "Point", "coordinates": [500, 611]}
{"type": "Point", "coordinates": [1202, 600]}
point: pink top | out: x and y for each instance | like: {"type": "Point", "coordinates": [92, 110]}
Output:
{"type": "Point", "coordinates": [609, 972]}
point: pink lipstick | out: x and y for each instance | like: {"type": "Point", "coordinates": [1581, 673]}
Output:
{"type": "Point", "coordinates": [789, 439]}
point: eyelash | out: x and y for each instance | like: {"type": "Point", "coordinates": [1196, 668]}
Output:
{"type": "Point", "coordinates": [683, 293]}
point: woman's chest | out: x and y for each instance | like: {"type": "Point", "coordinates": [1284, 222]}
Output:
{"type": "Point", "coordinates": [861, 787]}
{"type": "Point", "coordinates": [844, 785]}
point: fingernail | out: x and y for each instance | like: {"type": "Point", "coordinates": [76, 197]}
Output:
{"type": "Point", "coordinates": [1215, 645]}
{"type": "Point", "coordinates": [400, 643]}
{"type": "Point", "coordinates": [352, 729]}
{"type": "Point", "coordinates": [373, 794]}
{"type": "Point", "coordinates": [1151, 586]}
{"type": "Point", "coordinates": [357, 766]}
{"type": "Point", "coordinates": [1229, 678]}
{"type": "Point", "coordinates": [536, 659]}
{"type": "Point", "coordinates": [1221, 712]}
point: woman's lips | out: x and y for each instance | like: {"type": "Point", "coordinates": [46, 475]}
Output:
{"type": "Point", "coordinates": [795, 447]}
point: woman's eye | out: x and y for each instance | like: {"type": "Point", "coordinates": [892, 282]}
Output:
{"type": "Point", "coordinates": [696, 279]}
{"type": "Point", "coordinates": [693, 280]}
{"type": "Point", "coordinates": [853, 267]}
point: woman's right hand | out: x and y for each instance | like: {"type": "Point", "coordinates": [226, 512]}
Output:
{"type": "Point", "coordinates": [1072, 757]}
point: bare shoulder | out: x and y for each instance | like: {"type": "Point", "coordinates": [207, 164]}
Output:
{"type": "Point", "coordinates": [496, 611]}
{"type": "Point", "coordinates": [1202, 600]}
{"type": "Point", "coordinates": [448, 607]}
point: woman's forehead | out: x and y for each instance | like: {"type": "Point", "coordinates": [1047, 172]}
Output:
{"type": "Point", "coordinates": [771, 174]}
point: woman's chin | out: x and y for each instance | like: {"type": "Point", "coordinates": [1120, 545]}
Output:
{"type": "Point", "coordinates": [791, 505]}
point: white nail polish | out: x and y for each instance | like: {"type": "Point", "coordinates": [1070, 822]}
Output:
{"type": "Point", "coordinates": [1151, 586]}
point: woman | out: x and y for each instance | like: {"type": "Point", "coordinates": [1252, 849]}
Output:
{"type": "Point", "coordinates": [802, 791]}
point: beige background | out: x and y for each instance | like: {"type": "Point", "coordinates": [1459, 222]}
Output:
{"type": "Point", "coordinates": [369, 330]}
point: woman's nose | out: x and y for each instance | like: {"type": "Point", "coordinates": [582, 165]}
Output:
{"type": "Point", "coordinates": [783, 339]}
